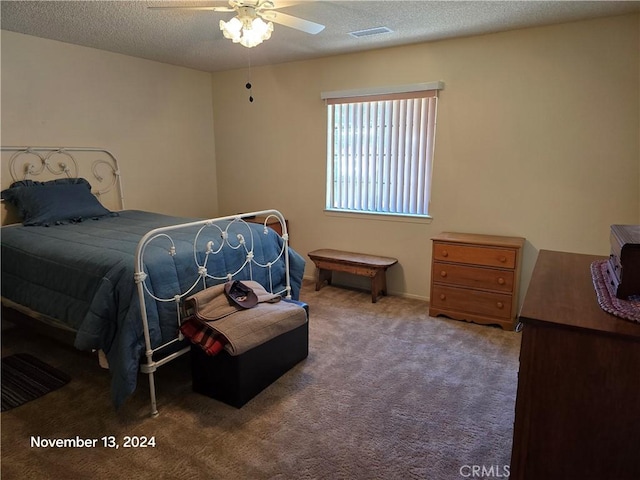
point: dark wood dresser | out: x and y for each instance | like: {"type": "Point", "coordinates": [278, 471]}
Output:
{"type": "Point", "coordinates": [271, 222]}
{"type": "Point", "coordinates": [577, 410]}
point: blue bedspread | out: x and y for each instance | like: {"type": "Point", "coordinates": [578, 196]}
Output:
{"type": "Point", "coordinates": [83, 275]}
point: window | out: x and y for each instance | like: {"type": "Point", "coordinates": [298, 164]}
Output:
{"type": "Point", "coordinates": [380, 149]}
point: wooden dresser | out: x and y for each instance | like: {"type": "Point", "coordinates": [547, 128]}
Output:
{"type": "Point", "coordinates": [578, 403]}
{"type": "Point", "coordinates": [476, 278]}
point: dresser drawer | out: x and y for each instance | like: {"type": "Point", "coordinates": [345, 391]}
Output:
{"type": "Point", "coordinates": [472, 301]}
{"type": "Point", "coordinates": [475, 255]}
{"type": "Point", "coordinates": [615, 268]}
{"type": "Point", "coordinates": [475, 277]}
{"type": "Point", "coordinates": [616, 246]}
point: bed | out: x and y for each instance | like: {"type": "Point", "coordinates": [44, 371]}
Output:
{"type": "Point", "coordinates": [118, 277]}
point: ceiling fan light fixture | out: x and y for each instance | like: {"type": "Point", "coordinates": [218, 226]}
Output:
{"type": "Point", "coordinates": [232, 29]}
{"type": "Point", "coordinates": [259, 32]}
{"type": "Point", "coordinates": [254, 21]}
{"type": "Point", "coordinates": [247, 31]}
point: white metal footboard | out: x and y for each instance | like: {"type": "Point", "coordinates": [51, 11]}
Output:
{"type": "Point", "coordinates": [212, 237]}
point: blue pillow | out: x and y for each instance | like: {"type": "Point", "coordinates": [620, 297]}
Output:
{"type": "Point", "coordinates": [56, 201]}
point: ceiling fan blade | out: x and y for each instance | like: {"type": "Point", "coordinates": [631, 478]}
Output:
{"type": "Point", "coordinates": [213, 9]}
{"type": "Point", "coordinates": [270, 5]}
{"type": "Point", "coordinates": [292, 22]}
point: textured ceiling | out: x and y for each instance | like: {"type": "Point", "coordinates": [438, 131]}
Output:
{"type": "Point", "coordinates": [193, 39]}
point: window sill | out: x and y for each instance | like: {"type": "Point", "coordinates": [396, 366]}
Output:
{"type": "Point", "coordinates": [387, 217]}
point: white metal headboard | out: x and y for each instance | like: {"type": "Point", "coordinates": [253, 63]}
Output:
{"type": "Point", "coordinates": [97, 165]}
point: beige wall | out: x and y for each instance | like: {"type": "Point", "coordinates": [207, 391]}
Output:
{"type": "Point", "coordinates": [537, 136]}
{"type": "Point", "coordinates": [155, 118]}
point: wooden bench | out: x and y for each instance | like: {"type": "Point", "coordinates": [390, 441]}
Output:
{"type": "Point", "coordinates": [372, 266]}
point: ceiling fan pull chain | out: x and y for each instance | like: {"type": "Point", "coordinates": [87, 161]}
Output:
{"type": "Point", "coordinates": [248, 85]}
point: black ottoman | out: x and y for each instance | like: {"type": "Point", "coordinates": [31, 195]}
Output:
{"type": "Point", "coordinates": [235, 380]}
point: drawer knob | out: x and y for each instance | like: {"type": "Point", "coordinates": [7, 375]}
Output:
{"type": "Point", "coordinates": [500, 305]}
{"type": "Point", "coordinates": [443, 296]}
{"type": "Point", "coordinates": [443, 274]}
{"type": "Point", "coordinates": [502, 259]}
{"type": "Point", "coordinates": [501, 281]}
{"type": "Point", "coordinates": [445, 253]}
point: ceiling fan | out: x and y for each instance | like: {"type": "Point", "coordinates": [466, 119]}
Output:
{"type": "Point", "coordinates": [248, 27]}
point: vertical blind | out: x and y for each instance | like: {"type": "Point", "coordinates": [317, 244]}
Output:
{"type": "Point", "coordinates": [380, 151]}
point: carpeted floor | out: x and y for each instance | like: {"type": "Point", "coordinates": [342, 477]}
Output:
{"type": "Point", "coordinates": [386, 393]}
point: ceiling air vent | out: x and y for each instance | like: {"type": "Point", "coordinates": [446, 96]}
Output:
{"type": "Point", "coordinates": [370, 32]}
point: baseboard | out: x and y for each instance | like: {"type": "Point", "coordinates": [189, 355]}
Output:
{"type": "Point", "coordinates": [364, 289]}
